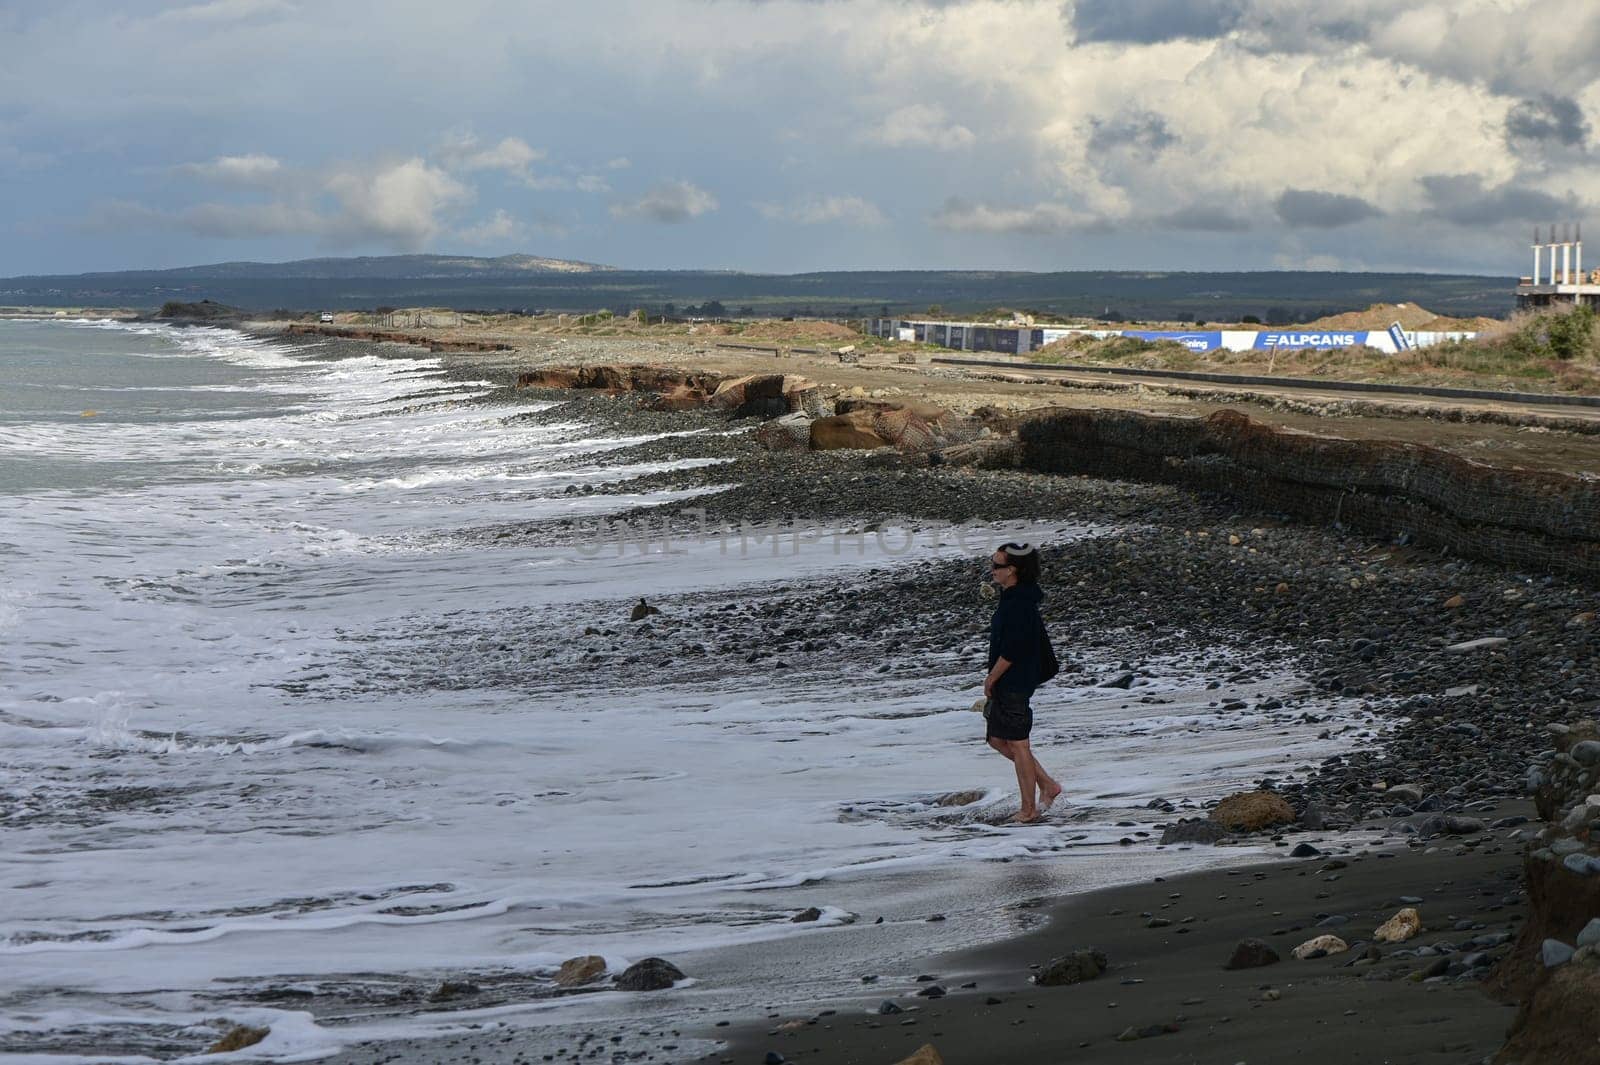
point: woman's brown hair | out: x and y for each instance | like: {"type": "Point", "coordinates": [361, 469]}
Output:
{"type": "Point", "coordinates": [1026, 558]}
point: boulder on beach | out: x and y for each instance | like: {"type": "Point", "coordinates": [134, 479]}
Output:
{"type": "Point", "coordinates": [1251, 811]}
{"type": "Point", "coordinates": [651, 974]}
{"type": "Point", "coordinates": [237, 1038]}
{"type": "Point", "coordinates": [1399, 928]}
{"type": "Point", "coordinates": [925, 1055]}
{"type": "Point", "coordinates": [1252, 954]}
{"type": "Point", "coordinates": [1196, 830]}
{"type": "Point", "coordinates": [575, 972]}
{"type": "Point", "coordinates": [1320, 947]}
{"type": "Point", "coordinates": [1072, 968]}
{"type": "Point", "coordinates": [642, 610]}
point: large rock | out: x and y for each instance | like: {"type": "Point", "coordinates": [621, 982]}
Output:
{"type": "Point", "coordinates": [1074, 968]}
{"type": "Point", "coordinates": [842, 431]}
{"type": "Point", "coordinates": [768, 395]}
{"type": "Point", "coordinates": [575, 972]}
{"type": "Point", "coordinates": [925, 1055]}
{"type": "Point", "coordinates": [1251, 811]}
{"type": "Point", "coordinates": [1399, 928]}
{"type": "Point", "coordinates": [652, 974]}
{"type": "Point", "coordinates": [1320, 947]}
{"type": "Point", "coordinates": [1252, 954]}
{"type": "Point", "coordinates": [1194, 831]}
{"type": "Point", "coordinates": [237, 1038]}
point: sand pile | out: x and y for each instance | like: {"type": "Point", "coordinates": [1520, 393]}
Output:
{"type": "Point", "coordinates": [800, 331]}
{"type": "Point", "coordinates": [1409, 315]}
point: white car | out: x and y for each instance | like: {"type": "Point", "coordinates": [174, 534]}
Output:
{"type": "Point", "coordinates": [327, 316]}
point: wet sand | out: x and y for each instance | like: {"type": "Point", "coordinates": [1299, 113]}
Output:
{"type": "Point", "coordinates": [1325, 1010]}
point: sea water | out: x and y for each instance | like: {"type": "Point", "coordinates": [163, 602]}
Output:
{"type": "Point", "coordinates": [216, 800]}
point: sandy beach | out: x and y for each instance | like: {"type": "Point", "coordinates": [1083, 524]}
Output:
{"type": "Point", "coordinates": [1366, 621]}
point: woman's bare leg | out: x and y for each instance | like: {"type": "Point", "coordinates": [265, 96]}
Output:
{"type": "Point", "coordinates": [1027, 782]}
{"type": "Point", "coordinates": [1048, 788]}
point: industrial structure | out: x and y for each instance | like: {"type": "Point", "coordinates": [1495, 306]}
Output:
{"type": "Point", "coordinates": [1558, 275]}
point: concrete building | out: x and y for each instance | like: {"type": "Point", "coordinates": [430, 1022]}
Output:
{"type": "Point", "coordinates": [1558, 275]}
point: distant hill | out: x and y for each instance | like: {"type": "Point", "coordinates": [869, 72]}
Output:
{"type": "Point", "coordinates": [531, 283]}
{"type": "Point", "coordinates": [377, 267]}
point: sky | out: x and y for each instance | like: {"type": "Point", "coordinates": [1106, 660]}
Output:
{"type": "Point", "coordinates": [793, 135]}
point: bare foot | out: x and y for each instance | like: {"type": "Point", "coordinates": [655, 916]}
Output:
{"type": "Point", "coordinates": [1047, 799]}
{"type": "Point", "coordinates": [1025, 817]}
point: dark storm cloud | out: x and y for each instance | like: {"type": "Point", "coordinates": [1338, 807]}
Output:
{"type": "Point", "coordinates": [1143, 130]}
{"type": "Point", "coordinates": [1150, 21]}
{"type": "Point", "coordinates": [1203, 218]}
{"type": "Point", "coordinates": [1463, 199]}
{"type": "Point", "coordinates": [1309, 209]}
{"type": "Point", "coordinates": [1548, 118]}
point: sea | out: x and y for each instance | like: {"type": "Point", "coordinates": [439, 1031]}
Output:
{"type": "Point", "coordinates": [230, 793]}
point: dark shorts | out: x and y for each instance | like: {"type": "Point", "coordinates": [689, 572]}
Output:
{"type": "Point", "coordinates": [1010, 716]}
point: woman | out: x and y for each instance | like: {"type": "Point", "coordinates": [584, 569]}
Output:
{"type": "Point", "coordinates": [1016, 649]}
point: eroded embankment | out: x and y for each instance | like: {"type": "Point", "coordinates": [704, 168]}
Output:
{"type": "Point", "coordinates": [1532, 520]}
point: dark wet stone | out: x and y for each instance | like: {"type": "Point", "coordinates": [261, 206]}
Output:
{"type": "Point", "coordinates": [1252, 954]}
{"type": "Point", "coordinates": [651, 974]}
{"type": "Point", "coordinates": [1072, 968]}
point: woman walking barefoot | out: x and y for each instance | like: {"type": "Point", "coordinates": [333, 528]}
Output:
{"type": "Point", "coordinates": [1016, 653]}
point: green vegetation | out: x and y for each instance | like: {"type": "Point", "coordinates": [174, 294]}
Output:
{"type": "Point", "coordinates": [1556, 350]}
{"type": "Point", "coordinates": [1561, 344]}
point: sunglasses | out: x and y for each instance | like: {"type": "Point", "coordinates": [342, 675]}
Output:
{"type": "Point", "coordinates": [1000, 565]}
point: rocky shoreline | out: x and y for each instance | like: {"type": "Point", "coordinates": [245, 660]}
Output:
{"type": "Point", "coordinates": [1468, 666]}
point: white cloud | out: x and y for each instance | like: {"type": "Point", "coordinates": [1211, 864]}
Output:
{"type": "Point", "coordinates": [1040, 219]}
{"type": "Point", "coordinates": [820, 210]}
{"type": "Point", "coordinates": [497, 229]}
{"type": "Point", "coordinates": [399, 204]}
{"type": "Point", "coordinates": [920, 126]}
{"type": "Point", "coordinates": [464, 153]}
{"type": "Point", "coordinates": [621, 162]}
{"type": "Point", "coordinates": [227, 11]}
{"type": "Point", "coordinates": [669, 203]}
{"type": "Point", "coordinates": [244, 170]}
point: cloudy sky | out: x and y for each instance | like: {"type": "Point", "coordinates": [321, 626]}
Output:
{"type": "Point", "coordinates": [789, 135]}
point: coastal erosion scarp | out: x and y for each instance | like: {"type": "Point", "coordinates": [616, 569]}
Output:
{"type": "Point", "coordinates": [1536, 520]}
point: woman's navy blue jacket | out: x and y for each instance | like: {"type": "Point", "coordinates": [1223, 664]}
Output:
{"type": "Point", "coordinates": [1017, 634]}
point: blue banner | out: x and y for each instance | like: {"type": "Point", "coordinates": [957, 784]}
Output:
{"type": "Point", "coordinates": [1192, 341]}
{"type": "Point", "coordinates": [1309, 339]}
